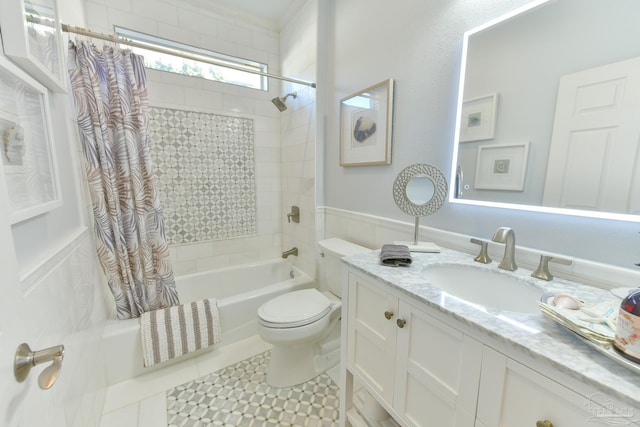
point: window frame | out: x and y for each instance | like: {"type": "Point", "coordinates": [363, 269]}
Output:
{"type": "Point", "coordinates": [192, 53]}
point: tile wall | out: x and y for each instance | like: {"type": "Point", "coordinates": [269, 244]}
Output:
{"type": "Point", "coordinates": [68, 291]}
{"type": "Point", "coordinates": [233, 35]}
{"type": "Point", "coordinates": [298, 50]}
{"type": "Point", "coordinates": [206, 174]}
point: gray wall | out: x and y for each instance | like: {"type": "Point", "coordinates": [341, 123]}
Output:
{"type": "Point", "coordinates": [419, 45]}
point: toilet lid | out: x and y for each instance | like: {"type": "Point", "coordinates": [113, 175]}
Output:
{"type": "Point", "coordinates": [297, 308]}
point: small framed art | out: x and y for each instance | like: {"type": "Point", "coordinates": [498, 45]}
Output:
{"type": "Point", "coordinates": [502, 167]}
{"type": "Point", "coordinates": [366, 122]}
{"type": "Point", "coordinates": [28, 161]}
{"type": "Point", "coordinates": [478, 121]}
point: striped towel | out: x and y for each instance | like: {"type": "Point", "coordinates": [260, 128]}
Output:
{"type": "Point", "coordinates": [178, 330]}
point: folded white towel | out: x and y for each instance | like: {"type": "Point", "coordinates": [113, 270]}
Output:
{"type": "Point", "coordinates": [171, 332]}
{"type": "Point", "coordinates": [595, 322]}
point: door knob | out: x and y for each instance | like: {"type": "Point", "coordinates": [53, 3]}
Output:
{"type": "Point", "coordinates": [26, 359]}
{"type": "Point", "coordinates": [401, 323]}
{"type": "Point", "coordinates": [388, 314]}
{"type": "Point", "coordinates": [545, 423]}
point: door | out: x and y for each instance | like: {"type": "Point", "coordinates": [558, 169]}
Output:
{"type": "Point", "coordinates": [594, 146]}
{"type": "Point", "coordinates": [14, 316]}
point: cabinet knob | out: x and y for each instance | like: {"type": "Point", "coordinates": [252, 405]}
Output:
{"type": "Point", "coordinates": [402, 322]}
{"type": "Point", "coordinates": [545, 423]}
{"type": "Point", "coordinates": [388, 314]}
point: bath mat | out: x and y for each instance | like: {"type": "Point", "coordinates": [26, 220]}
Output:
{"type": "Point", "coordinates": [178, 330]}
{"type": "Point", "coordinates": [238, 395]}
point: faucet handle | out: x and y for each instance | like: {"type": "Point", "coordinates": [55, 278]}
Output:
{"type": "Point", "coordinates": [483, 257]}
{"type": "Point", "coordinates": [294, 215]}
{"type": "Point", "coordinates": [542, 272]}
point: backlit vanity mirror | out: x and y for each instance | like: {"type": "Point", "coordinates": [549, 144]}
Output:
{"type": "Point", "coordinates": [419, 190]}
{"type": "Point", "coordinates": [548, 111]}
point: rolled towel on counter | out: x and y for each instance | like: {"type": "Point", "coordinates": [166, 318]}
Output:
{"type": "Point", "coordinates": [395, 255]}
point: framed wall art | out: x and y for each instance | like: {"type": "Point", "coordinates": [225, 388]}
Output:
{"type": "Point", "coordinates": [478, 121]}
{"type": "Point", "coordinates": [36, 40]}
{"type": "Point", "coordinates": [366, 122]}
{"type": "Point", "coordinates": [28, 163]}
{"type": "Point", "coordinates": [502, 167]}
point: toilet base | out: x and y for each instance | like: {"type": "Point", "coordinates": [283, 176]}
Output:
{"type": "Point", "coordinates": [296, 364]}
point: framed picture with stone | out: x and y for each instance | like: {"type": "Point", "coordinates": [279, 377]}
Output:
{"type": "Point", "coordinates": [12, 135]}
{"type": "Point", "coordinates": [28, 163]}
{"type": "Point", "coordinates": [502, 167]}
{"type": "Point", "coordinates": [478, 119]}
{"type": "Point", "coordinates": [366, 119]}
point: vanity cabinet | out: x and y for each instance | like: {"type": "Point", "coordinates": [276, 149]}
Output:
{"type": "Point", "coordinates": [426, 369]}
{"type": "Point", "coordinates": [513, 395]}
{"type": "Point", "coordinates": [423, 371]}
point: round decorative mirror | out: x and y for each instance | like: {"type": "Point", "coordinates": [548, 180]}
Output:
{"type": "Point", "coordinates": [419, 190]}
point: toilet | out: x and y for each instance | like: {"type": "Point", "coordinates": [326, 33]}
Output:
{"type": "Point", "coordinates": [304, 326]}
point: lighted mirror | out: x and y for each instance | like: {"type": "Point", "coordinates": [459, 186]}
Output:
{"type": "Point", "coordinates": [419, 190]}
{"type": "Point", "coordinates": [547, 111]}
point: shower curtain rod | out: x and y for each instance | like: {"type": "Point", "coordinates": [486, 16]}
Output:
{"type": "Point", "coordinates": [84, 32]}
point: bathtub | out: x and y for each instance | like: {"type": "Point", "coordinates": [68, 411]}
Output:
{"type": "Point", "coordinates": [239, 290]}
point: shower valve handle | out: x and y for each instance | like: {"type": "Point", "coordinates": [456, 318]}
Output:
{"type": "Point", "coordinates": [294, 215]}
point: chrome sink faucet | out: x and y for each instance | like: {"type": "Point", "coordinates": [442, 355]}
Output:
{"type": "Point", "coordinates": [507, 236]}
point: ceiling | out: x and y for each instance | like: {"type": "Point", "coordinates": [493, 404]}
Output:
{"type": "Point", "coordinates": [273, 14]}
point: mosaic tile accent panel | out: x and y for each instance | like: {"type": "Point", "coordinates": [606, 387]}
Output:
{"type": "Point", "coordinates": [206, 174]}
{"type": "Point", "coordinates": [238, 395]}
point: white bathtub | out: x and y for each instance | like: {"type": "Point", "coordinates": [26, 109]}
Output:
{"type": "Point", "coordinates": [239, 291]}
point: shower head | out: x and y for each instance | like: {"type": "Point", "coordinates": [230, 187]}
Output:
{"type": "Point", "coordinates": [280, 102]}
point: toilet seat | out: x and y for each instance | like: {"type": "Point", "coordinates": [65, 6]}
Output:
{"type": "Point", "coordinates": [294, 309]}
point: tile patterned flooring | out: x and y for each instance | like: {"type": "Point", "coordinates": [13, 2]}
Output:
{"type": "Point", "coordinates": [143, 401]}
{"type": "Point", "coordinates": [239, 396]}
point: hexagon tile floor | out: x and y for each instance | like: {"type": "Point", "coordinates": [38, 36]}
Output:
{"type": "Point", "coordinates": [238, 395]}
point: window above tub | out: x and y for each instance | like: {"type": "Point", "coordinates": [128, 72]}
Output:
{"type": "Point", "coordinates": [180, 58]}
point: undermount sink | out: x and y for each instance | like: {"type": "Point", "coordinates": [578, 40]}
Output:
{"type": "Point", "coordinates": [492, 289]}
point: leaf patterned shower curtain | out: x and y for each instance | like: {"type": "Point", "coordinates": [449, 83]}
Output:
{"type": "Point", "coordinates": [110, 94]}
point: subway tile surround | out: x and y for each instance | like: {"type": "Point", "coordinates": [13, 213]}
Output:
{"type": "Point", "coordinates": [206, 174]}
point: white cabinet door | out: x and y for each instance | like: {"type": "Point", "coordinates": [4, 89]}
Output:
{"type": "Point", "coordinates": [371, 335]}
{"type": "Point", "coordinates": [512, 395]}
{"type": "Point", "coordinates": [437, 371]}
{"type": "Point", "coordinates": [425, 370]}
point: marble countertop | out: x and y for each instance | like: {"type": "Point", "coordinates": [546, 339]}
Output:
{"type": "Point", "coordinates": [533, 334]}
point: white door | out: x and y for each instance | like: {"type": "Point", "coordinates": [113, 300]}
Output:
{"type": "Point", "coordinates": [594, 146]}
{"type": "Point", "coordinates": [14, 318]}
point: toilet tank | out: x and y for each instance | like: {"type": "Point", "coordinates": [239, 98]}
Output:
{"type": "Point", "coordinates": [333, 250]}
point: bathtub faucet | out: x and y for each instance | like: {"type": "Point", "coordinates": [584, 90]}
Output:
{"type": "Point", "coordinates": [292, 251]}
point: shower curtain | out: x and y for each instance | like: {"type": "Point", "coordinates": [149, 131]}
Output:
{"type": "Point", "coordinates": [110, 94]}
